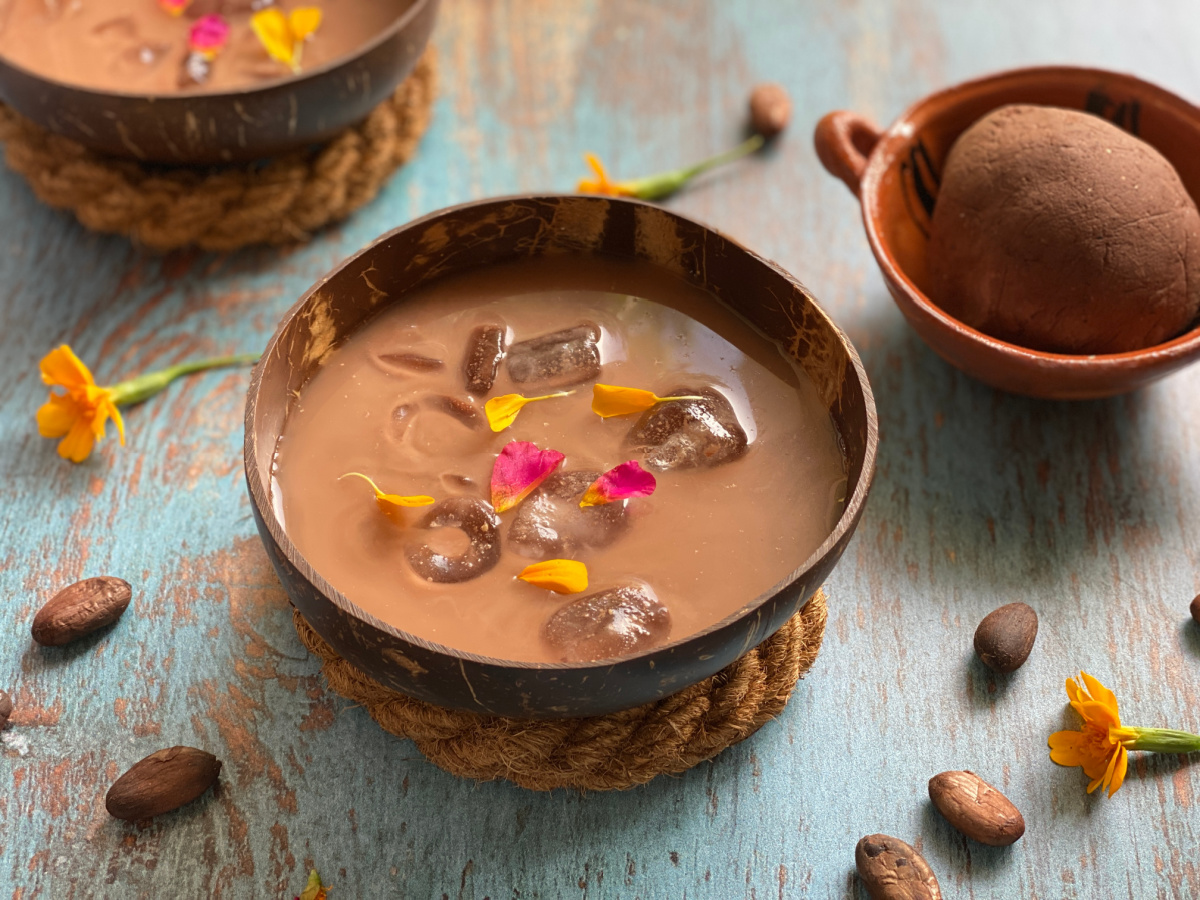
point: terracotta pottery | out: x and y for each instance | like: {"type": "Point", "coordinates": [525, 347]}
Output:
{"type": "Point", "coordinates": [202, 127]}
{"type": "Point", "coordinates": [895, 174]}
{"type": "Point", "coordinates": [496, 231]}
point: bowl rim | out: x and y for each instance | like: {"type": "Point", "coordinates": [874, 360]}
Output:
{"type": "Point", "coordinates": [399, 24]}
{"type": "Point", "coordinates": [881, 161]}
{"type": "Point", "coordinates": [261, 498]}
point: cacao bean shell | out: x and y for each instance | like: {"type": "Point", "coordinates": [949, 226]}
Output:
{"type": "Point", "coordinates": [80, 609]}
{"type": "Point", "coordinates": [161, 782]}
{"type": "Point", "coordinates": [770, 109]}
{"type": "Point", "coordinates": [1005, 637]}
{"type": "Point", "coordinates": [892, 870]}
{"type": "Point", "coordinates": [6, 708]}
{"type": "Point", "coordinates": [976, 808]}
{"type": "Point", "coordinates": [1196, 609]}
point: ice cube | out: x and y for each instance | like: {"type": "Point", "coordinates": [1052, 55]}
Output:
{"type": "Point", "coordinates": [399, 422]}
{"type": "Point", "coordinates": [688, 434]}
{"type": "Point", "coordinates": [610, 623]}
{"type": "Point", "coordinates": [478, 521]}
{"type": "Point", "coordinates": [462, 410]}
{"type": "Point", "coordinates": [550, 523]}
{"type": "Point", "coordinates": [400, 363]}
{"type": "Point", "coordinates": [485, 350]}
{"type": "Point", "coordinates": [557, 360]}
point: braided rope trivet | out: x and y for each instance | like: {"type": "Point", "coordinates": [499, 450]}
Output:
{"type": "Point", "coordinates": [603, 753]}
{"type": "Point", "coordinates": [223, 208]}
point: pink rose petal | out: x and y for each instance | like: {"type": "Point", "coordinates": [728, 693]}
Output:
{"type": "Point", "coordinates": [627, 480]}
{"type": "Point", "coordinates": [519, 469]}
{"type": "Point", "coordinates": [209, 35]}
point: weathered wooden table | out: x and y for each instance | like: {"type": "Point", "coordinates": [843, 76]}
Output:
{"type": "Point", "coordinates": [1087, 511]}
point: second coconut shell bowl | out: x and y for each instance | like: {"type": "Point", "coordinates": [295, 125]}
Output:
{"type": "Point", "coordinates": [497, 231]}
{"type": "Point", "coordinates": [199, 127]}
{"type": "Point", "coordinates": [895, 174]}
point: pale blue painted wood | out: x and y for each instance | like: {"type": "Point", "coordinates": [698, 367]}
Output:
{"type": "Point", "coordinates": [1086, 511]}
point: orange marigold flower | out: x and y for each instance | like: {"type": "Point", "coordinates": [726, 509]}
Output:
{"type": "Point", "coordinates": [79, 415]}
{"type": "Point", "coordinates": [602, 184]}
{"type": "Point", "coordinates": [1101, 744]}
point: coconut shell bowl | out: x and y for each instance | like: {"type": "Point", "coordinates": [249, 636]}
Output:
{"type": "Point", "coordinates": [202, 127]}
{"type": "Point", "coordinates": [896, 173]}
{"type": "Point", "coordinates": [493, 232]}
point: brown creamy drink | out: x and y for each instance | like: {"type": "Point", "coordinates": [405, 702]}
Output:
{"type": "Point", "coordinates": [750, 477]}
{"type": "Point", "coordinates": [138, 47]}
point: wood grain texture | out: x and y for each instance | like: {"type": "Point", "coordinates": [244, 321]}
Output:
{"type": "Point", "coordinates": [1084, 511]}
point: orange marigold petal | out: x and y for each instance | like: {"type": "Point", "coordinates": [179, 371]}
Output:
{"type": "Point", "coordinates": [563, 576]}
{"type": "Point", "coordinates": [1068, 748]}
{"type": "Point", "coordinates": [57, 415]}
{"type": "Point", "coordinates": [1119, 772]}
{"type": "Point", "coordinates": [62, 367]}
{"type": "Point", "coordinates": [1102, 695]}
{"type": "Point", "coordinates": [77, 445]}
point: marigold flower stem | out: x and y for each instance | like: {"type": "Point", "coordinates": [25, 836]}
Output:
{"type": "Point", "coordinates": [143, 387]}
{"type": "Point", "coordinates": [1165, 740]}
{"type": "Point", "coordinates": [655, 187]}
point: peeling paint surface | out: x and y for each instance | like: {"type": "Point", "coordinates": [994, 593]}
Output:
{"type": "Point", "coordinates": [1087, 511]}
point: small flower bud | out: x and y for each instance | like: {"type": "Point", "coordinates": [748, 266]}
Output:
{"type": "Point", "coordinates": [770, 109]}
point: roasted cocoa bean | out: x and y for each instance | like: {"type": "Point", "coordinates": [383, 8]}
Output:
{"type": "Point", "coordinates": [80, 609]}
{"type": "Point", "coordinates": [892, 870]}
{"type": "Point", "coordinates": [1005, 637]}
{"type": "Point", "coordinates": [161, 782]}
{"type": "Point", "coordinates": [976, 808]}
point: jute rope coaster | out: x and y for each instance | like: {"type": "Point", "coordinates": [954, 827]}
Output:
{"type": "Point", "coordinates": [223, 208]}
{"type": "Point", "coordinates": [603, 753]}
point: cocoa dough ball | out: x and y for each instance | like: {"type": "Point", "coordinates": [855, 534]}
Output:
{"type": "Point", "coordinates": [1057, 231]}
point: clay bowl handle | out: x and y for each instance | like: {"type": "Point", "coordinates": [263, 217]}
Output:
{"type": "Point", "coordinates": [844, 140]}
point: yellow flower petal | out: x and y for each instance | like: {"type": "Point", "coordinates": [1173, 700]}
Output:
{"type": "Point", "coordinates": [274, 33]}
{"type": "Point", "coordinates": [1102, 695]}
{"type": "Point", "coordinates": [391, 503]}
{"type": "Point", "coordinates": [304, 22]}
{"type": "Point", "coordinates": [502, 411]}
{"type": "Point", "coordinates": [57, 415]}
{"type": "Point", "coordinates": [1067, 748]}
{"type": "Point", "coordinates": [77, 445]}
{"type": "Point", "coordinates": [610, 400]}
{"type": "Point", "coordinates": [563, 576]}
{"type": "Point", "coordinates": [1118, 775]}
{"type": "Point", "coordinates": [62, 367]}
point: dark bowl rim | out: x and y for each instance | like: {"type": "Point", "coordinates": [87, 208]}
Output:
{"type": "Point", "coordinates": [880, 161]}
{"type": "Point", "coordinates": [261, 499]}
{"type": "Point", "coordinates": [232, 94]}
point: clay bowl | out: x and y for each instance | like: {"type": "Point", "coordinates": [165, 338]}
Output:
{"type": "Point", "coordinates": [895, 174]}
{"type": "Point", "coordinates": [495, 231]}
{"type": "Point", "coordinates": [208, 127]}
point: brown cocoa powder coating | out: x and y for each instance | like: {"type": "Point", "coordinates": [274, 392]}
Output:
{"type": "Point", "coordinates": [1057, 231]}
{"type": "Point", "coordinates": [1196, 609]}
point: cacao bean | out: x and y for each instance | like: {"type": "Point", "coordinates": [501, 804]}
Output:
{"type": "Point", "coordinates": [976, 808]}
{"type": "Point", "coordinates": [161, 782]}
{"type": "Point", "coordinates": [1196, 609]}
{"type": "Point", "coordinates": [892, 870]}
{"type": "Point", "coordinates": [6, 708]}
{"type": "Point", "coordinates": [1005, 637]}
{"type": "Point", "coordinates": [770, 109]}
{"type": "Point", "coordinates": [80, 609]}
